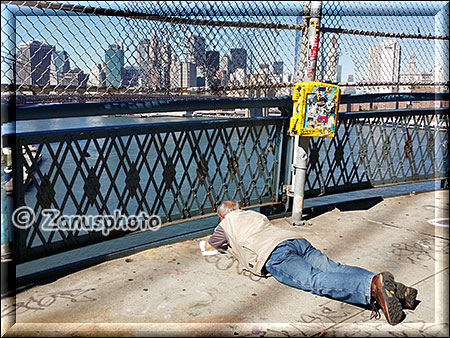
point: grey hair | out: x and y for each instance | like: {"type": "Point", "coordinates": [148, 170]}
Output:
{"type": "Point", "coordinates": [227, 207]}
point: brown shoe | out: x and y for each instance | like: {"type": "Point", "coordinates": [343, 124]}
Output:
{"type": "Point", "coordinates": [383, 293]}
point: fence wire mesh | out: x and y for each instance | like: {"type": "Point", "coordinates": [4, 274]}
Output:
{"type": "Point", "coordinates": [130, 50]}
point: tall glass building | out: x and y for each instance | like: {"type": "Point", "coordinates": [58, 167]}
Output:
{"type": "Point", "coordinates": [114, 62]}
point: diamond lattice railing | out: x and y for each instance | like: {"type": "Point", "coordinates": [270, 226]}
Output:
{"type": "Point", "coordinates": [176, 171]}
{"type": "Point", "coordinates": [183, 170]}
{"type": "Point", "coordinates": [378, 149]}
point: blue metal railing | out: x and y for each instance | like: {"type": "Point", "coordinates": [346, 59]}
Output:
{"type": "Point", "coordinates": [182, 170]}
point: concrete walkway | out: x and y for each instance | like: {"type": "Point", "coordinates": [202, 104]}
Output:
{"type": "Point", "coordinates": [174, 291]}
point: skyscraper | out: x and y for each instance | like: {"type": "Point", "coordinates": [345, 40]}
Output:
{"type": "Point", "coordinates": [384, 64]}
{"type": "Point", "coordinates": [195, 47]}
{"type": "Point", "coordinates": [331, 74]}
{"type": "Point", "coordinates": [114, 62]}
{"type": "Point", "coordinates": [97, 77]}
{"type": "Point", "coordinates": [188, 74]}
{"type": "Point", "coordinates": [165, 62]}
{"type": "Point", "coordinates": [238, 59]}
{"type": "Point", "coordinates": [182, 74]}
{"type": "Point", "coordinates": [212, 60]}
{"type": "Point", "coordinates": [143, 61]}
{"type": "Point", "coordinates": [130, 76]}
{"type": "Point", "coordinates": [151, 55]}
{"type": "Point", "coordinates": [175, 72]}
{"type": "Point", "coordinates": [75, 78]}
{"type": "Point", "coordinates": [225, 67]}
{"type": "Point", "coordinates": [59, 65]}
{"type": "Point", "coordinates": [339, 73]}
{"type": "Point", "coordinates": [212, 66]}
{"type": "Point", "coordinates": [278, 67]}
{"type": "Point", "coordinates": [33, 63]}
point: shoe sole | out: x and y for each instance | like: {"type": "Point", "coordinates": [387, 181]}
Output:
{"type": "Point", "coordinates": [406, 295]}
{"type": "Point", "coordinates": [394, 311]}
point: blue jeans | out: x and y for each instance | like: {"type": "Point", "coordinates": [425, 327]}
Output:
{"type": "Point", "coordinates": [298, 264]}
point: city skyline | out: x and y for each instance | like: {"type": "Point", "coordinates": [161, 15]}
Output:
{"type": "Point", "coordinates": [89, 37]}
{"type": "Point", "coordinates": [147, 73]}
{"type": "Point", "coordinates": [87, 42]}
{"type": "Point", "coordinates": [152, 65]}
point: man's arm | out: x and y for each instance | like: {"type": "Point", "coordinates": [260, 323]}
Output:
{"type": "Point", "coordinates": [217, 239]}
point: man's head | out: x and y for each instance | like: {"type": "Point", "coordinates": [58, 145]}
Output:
{"type": "Point", "coordinates": [226, 207]}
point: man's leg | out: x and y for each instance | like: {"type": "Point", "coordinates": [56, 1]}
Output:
{"type": "Point", "coordinates": [297, 263]}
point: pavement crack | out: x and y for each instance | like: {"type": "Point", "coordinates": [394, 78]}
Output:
{"type": "Point", "coordinates": [403, 228]}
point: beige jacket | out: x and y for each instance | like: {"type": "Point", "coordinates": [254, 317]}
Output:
{"type": "Point", "coordinates": [252, 238]}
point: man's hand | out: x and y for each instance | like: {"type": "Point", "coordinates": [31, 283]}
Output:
{"type": "Point", "coordinates": [206, 252]}
{"type": "Point", "coordinates": [209, 247]}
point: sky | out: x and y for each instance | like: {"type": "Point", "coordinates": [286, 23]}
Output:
{"type": "Point", "coordinates": [86, 38]}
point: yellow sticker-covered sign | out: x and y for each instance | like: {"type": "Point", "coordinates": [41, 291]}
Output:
{"type": "Point", "coordinates": [315, 110]}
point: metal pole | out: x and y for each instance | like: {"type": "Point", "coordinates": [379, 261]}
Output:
{"type": "Point", "coordinates": [301, 154]}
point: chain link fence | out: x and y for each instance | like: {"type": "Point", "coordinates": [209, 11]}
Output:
{"type": "Point", "coordinates": [134, 50]}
